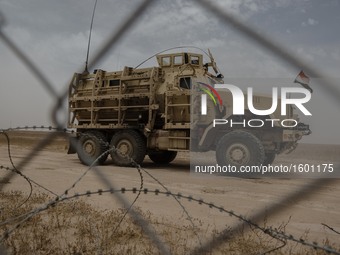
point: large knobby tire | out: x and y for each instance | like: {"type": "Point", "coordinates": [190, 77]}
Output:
{"type": "Point", "coordinates": [239, 148]}
{"type": "Point", "coordinates": [130, 145]}
{"type": "Point", "coordinates": [92, 144]}
{"type": "Point", "coordinates": [269, 158]}
{"type": "Point", "coordinates": [162, 157]}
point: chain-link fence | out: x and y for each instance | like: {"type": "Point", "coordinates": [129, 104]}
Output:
{"type": "Point", "coordinates": [111, 188]}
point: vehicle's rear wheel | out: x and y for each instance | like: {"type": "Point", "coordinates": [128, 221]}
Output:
{"type": "Point", "coordinates": [130, 145]}
{"type": "Point", "coordinates": [269, 158]}
{"type": "Point", "coordinates": [239, 148]}
{"type": "Point", "coordinates": [162, 157]}
{"type": "Point", "coordinates": [92, 146]}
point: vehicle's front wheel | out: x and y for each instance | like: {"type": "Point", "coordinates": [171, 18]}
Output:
{"type": "Point", "coordinates": [92, 147]}
{"type": "Point", "coordinates": [162, 157]}
{"type": "Point", "coordinates": [130, 147]}
{"type": "Point", "coordinates": [239, 148]}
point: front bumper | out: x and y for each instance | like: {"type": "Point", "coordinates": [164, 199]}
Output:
{"type": "Point", "coordinates": [293, 135]}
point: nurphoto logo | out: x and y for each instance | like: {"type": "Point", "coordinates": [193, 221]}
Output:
{"type": "Point", "coordinates": [238, 105]}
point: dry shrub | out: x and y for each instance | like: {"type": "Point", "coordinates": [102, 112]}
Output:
{"type": "Point", "coordinates": [75, 227]}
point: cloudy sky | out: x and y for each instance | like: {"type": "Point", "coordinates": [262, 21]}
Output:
{"type": "Point", "coordinates": [54, 35]}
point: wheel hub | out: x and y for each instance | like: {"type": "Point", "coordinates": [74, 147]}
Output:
{"type": "Point", "coordinates": [89, 147]}
{"type": "Point", "coordinates": [125, 147]}
{"type": "Point", "coordinates": [238, 154]}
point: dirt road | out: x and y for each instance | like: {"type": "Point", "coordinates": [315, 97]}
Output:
{"type": "Point", "coordinates": [57, 171]}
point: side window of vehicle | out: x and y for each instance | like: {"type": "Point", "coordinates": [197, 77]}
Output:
{"type": "Point", "coordinates": [166, 61]}
{"type": "Point", "coordinates": [185, 82]}
{"type": "Point", "coordinates": [178, 60]}
{"type": "Point", "coordinates": [194, 60]}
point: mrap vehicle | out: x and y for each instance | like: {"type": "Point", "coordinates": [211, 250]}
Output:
{"type": "Point", "coordinates": [152, 111]}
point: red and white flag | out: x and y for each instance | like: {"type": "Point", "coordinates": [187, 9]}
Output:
{"type": "Point", "coordinates": [303, 79]}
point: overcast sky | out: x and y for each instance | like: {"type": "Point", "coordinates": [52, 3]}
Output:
{"type": "Point", "coordinates": [54, 35]}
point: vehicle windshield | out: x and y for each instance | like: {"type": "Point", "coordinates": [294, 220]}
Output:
{"type": "Point", "coordinates": [206, 80]}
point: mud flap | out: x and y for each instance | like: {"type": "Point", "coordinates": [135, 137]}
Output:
{"type": "Point", "coordinates": [72, 145]}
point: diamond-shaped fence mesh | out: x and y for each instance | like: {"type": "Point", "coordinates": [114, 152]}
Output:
{"type": "Point", "coordinates": [210, 244]}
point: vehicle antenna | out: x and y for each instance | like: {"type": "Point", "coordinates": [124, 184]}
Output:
{"type": "Point", "coordinates": [89, 42]}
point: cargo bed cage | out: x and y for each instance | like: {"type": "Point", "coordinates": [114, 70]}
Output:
{"type": "Point", "coordinates": [113, 99]}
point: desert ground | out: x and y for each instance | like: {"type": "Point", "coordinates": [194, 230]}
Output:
{"type": "Point", "coordinates": [54, 169]}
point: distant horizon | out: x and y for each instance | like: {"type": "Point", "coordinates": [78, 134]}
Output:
{"type": "Point", "coordinates": [46, 130]}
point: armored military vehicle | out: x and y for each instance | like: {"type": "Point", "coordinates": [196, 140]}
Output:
{"type": "Point", "coordinates": [155, 111]}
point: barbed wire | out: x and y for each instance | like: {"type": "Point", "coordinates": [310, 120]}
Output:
{"type": "Point", "coordinates": [115, 150]}
{"type": "Point", "coordinates": [176, 199]}
{"type": "Point", "coordinates": [285, 55]}
{"type": "Point", "coordinates": [330, 228]}
{"type": "Point", "coordinates": [273, 232]}
{"type": "Point", "coordinates": [31, 214]}
{"type": "Point", "coordinates": [146, 227]}
{"type": "Point", "coordinates": [14, 169]}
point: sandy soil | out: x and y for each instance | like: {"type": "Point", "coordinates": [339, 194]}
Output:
{"type": "Point", "coordinates": [57, 171]}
